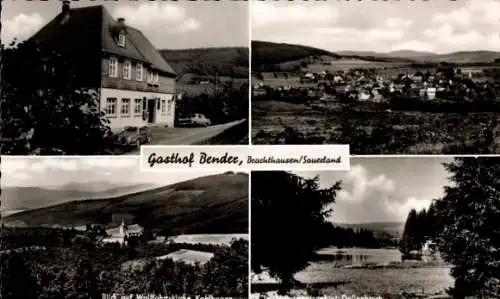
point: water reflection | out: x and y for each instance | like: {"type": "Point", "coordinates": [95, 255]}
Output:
{"type": "Point", "coordinates": [369, 257]}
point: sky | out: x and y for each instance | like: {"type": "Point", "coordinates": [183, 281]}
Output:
{"type": "Point", "coordinates": [439, 26]}
{"type": "Point", "coordinates": [384, 189]}
{"type": "Point", "coordinates": [167, 24]}
{"type": "Point", "coordinates": [59, 171]}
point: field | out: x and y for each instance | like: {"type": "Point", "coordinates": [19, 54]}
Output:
{"type": "Point", "coordinates": [389, 280]}
{"type": "Point", "coordinates": [374, 132]}
{"type": "Point", "coordinates": [347, 64]}
{"type": "Point", "coordinates": [212, 239]}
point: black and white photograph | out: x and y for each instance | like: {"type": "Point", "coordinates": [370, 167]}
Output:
{"type": "Point", "coordinates": [385, 77]}
{"type": "Point", "coordinates": [99, 228]}
{"type": "Point", "coordinates": [105, 77]}
{"type": "Point", "coordinates": [391, 228]}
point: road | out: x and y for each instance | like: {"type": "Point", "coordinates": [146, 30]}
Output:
{"type": "Point", "coordinates": [185, 136]}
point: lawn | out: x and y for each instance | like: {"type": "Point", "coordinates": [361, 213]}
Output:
{"type": "Point", "coordinates": [370, 132]}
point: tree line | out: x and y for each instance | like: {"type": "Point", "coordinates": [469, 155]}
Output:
{"type": "Point", "coordinates": [85, 269]}
{"type": "Point", "coordinates": [419, 227]}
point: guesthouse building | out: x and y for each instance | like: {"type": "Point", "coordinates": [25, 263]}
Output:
{"type": "Point", "coordinates": [134, 83]}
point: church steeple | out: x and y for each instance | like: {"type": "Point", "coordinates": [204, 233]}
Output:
{"type": "Point", "coordinates": [122, 228]}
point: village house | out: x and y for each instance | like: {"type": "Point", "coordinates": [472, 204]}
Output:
{"type": "Point", "coordinates": [135, 85]}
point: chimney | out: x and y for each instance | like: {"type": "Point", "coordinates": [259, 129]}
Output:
{"type": "Point", "coordinates": [121, 21]}
{"type": "Point", "coordinates": [65, 6]}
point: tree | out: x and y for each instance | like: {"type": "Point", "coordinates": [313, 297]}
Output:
{"type": "Point", "coordinates": [17, 279]}
{"type": "Point", "coordinates": [287, 213]}
{"type": "Point", "coordinates": [409, 238]}
{"type": "Point", "coordinates": [84, 281]}
{"type": "Point", "coordinates": [469, 234]}
{"type": "Point", "coordinates": [44, 110]}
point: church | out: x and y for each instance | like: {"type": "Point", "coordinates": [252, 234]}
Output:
{"type": "Point", "coordinates": [122, 233]}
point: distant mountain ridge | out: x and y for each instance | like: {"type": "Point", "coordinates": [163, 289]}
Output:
{"type": "Point", "coordinates": [27, 198]}
{"type": "Point", "coordinates": [210, 204]}
{"type": "Point", "coordinates": [269, 53]}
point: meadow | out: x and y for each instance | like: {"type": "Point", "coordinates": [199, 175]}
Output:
{"type": "Point", "coordinates": [370, 272]}
{"type": "Point", "coordinates": [370, 132]}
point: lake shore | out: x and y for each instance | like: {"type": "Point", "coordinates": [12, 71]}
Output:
{"type": "Point", "coordinates": [364, 272]}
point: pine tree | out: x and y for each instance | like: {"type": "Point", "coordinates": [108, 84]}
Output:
{"type": "Point", "coordinates": [469, 234]}
{"type": "Point", "coordinates": [288, 211]}
{"type": "Point", "coordinates": [410, 233]}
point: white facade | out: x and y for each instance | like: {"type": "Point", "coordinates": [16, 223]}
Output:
{"type": "Point", "coordinates": [137, 108]}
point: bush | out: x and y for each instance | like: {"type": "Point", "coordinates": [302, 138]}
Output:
{"type": "Point", "coordinates": [44, 110]}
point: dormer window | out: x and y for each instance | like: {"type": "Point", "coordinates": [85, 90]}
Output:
{"type": "Point", "coordinates": [122, 40]}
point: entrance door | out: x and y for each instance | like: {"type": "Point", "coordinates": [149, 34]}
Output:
{"type": "Point", "coordinates": [151, 111]}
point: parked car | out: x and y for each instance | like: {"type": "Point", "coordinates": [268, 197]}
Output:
{"type": "Point", "coordinates": [134, 136]}
{"type": "Point", "coordinates": [195, 119]}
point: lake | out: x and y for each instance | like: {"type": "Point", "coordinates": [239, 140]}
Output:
{"type": "Point", "coordinates": [351, 272]}
{"type": "Point", "coordinates": [371, 272]}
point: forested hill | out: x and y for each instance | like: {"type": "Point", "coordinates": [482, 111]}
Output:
{"type": "Point", "coordinates": [223, 61]}
{"type": "Point", "coordinates": [210, 204]}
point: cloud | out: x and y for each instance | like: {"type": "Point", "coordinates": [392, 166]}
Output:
{"type": "Point", "coordinates": [21, 27]}
{"type": "Point", "coordinates": [166, 17]}
{"type": "Point", "coordinates": [398, 23]}
{"type": "Point", "coordinates": [14, 164]}
{"type": "Point", "coordinates": [456, 26]}
{"type": "Point", "coordinates": [474, 12]}
{"type": "Point", "coordinates": [372, 197]}
{"type": "Point", "coordinates": [272, 13]}
{"type": "Point", "coordinates": [107, 162]}
{"type": "Point", "coordinates": [65, 164]}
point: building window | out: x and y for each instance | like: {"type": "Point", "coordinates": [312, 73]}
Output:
{"type": "Point", "coordinates": [151, 77]}
{"type": "Point", "coordinates": [169, 107]}
{"type": "Point", "coordinates": [125, 108]}
{"type": "Point", "coordinates": [138, 72]}
{"type": "Point", "coordinates": [163, 107]}
{"type": "Point", "coordinates": [158, 107]}
{"type": "Point", "coordinates": [122, 41]}
{"type": "Point", "coordinates": [113, 67]}
{"type": "Point", "coordinates": [137, 107]}
{"type": "Point", "coordinates": [144, 104]}
{"type": "Point", "coordinates": [127, 69]}
{"type": "Point", "coordinates": [110, 108]}
{"type": "Point", "coordinates": [156, 78]}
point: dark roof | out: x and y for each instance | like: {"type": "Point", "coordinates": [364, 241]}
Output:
{"type": "Point", "coordinates": [92, 29]}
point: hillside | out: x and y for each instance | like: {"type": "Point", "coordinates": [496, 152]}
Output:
{"type": "Point", "coordinates": [395, 229]}
{"type": "Point", "coordinates": [417, 56]}
{"type": "Point", "coordinates": [267, 53]}
{"type": "Point", "coordinates": [211, 204]}
{"type": "Point", "coordinates": [27, 198]}
{"type": "Point", "coordinates": [464, 57]}
{"type": "Point", "coordinates": [228, 61]}
{"type": "Point", "coordinates": [269, 56]}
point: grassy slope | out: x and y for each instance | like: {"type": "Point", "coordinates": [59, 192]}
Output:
{"type": "Point", "coordinates": [228, 61]}
{"type": "Point", "coordinates": [211, 204]}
